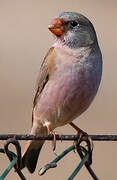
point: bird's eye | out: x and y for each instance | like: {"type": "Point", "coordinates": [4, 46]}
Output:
{"type": "Point", "coordinates": [74, 23]}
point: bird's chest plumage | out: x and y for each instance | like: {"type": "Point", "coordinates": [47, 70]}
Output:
{"type": "Point", "coordinates": [69, 91]}
{"type": "Point", "coordinates": [77, 79]}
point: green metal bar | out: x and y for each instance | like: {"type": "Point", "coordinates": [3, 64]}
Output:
{"type": "Point", "coordinates": [63, 154]}
{"type": "Point", "coordinates": [88, 167]}
{"type": "Point", "coordinates": [53, 163]}
{"type": "Point", "coordinates": [90, 170]}
{"type": "Point", "coordinates": [2, 150]}
{"type": "Point", "coordinates": [79, 167]}
{"type": "Point", "coordinates": [13, 162]}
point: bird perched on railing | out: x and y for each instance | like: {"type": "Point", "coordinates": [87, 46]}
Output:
{"type": "Point", "coordinates": [68, 82]}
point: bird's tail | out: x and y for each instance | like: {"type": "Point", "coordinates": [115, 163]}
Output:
{"type": "Point", "coordinates": [30, 155]}
{"type": "Point", "coordinates": [32, 149]}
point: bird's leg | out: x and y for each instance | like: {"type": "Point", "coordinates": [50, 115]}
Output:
{"type": "Point", "coordinates": [79, 131]}
{"type": "Point", "coordinates": [83, 136]}
{"type": "Point", "coordinates": [54, 139]}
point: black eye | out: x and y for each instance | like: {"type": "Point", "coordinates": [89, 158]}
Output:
{"type": "Point", "coordinates": [74, 23]}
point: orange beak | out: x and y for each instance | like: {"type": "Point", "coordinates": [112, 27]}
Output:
{"type": "Point", "coordinates": [56, 27]}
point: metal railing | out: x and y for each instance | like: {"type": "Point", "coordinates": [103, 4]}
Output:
{"type": "Point", "coordinates": [84, 152]}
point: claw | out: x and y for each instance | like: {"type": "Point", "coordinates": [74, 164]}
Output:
{"type": "Point", "coordinates": [54, 139]}
{"type": "Point", "coordinates": [89, 143]}
{"type": "Point", "coordinates": [84, 137]}
{"type": "Point", "coordinates": [54, 143]}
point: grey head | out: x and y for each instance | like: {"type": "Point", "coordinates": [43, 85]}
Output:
{"type": "Point", "coordinates": [74, 30]}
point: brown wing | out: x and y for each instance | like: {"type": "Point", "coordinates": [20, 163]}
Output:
{"type": "Point", "coordinates": [44, 75]}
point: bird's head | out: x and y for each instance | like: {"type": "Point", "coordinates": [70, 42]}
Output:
{"type": "Point", "coordinates": [73, 30]}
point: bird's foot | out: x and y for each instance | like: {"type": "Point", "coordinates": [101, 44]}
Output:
{"type": "Point", "coordinates": [51, 132]}
{"type": "Point", "coordinates": [54, 141]}
{"type": "Point", "coordinates": [84, 137]}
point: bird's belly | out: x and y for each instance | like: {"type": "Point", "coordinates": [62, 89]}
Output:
{"type": "Point", "coordinates": [65, 97]}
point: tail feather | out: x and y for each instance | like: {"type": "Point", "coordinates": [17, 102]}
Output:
{"type": "Point", "coordinates": [31, 154]}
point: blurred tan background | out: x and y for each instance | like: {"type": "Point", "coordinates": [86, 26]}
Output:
{"type": "Point", "coordinates": [24, 41]}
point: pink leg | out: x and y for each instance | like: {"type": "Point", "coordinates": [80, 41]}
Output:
{"type": "Point", "coordinates": [87, 139]}
{"type": "Point", "coordinates": [54, 139]}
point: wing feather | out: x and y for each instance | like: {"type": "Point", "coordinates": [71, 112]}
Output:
{"type": "Point", "coordinates": [44, 75]}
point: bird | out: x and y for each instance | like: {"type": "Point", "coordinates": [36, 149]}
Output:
{"type": "Point", "coordinates": [68, 81]}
